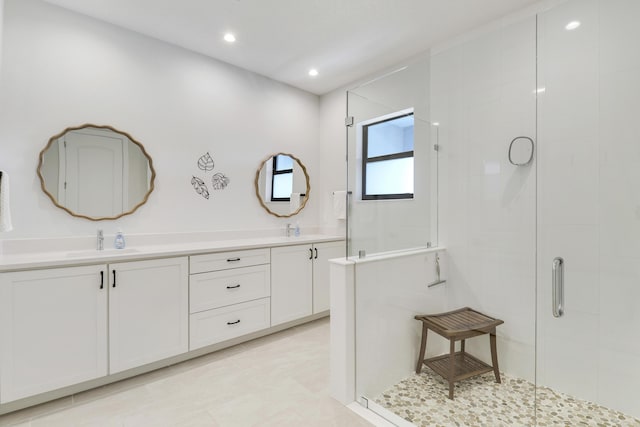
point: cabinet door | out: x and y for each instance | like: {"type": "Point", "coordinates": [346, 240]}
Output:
{"type": "Point", "coordinates": [322, 253]}
{"type": "Point", "coordinates": [53, 329]}
{"type": "Point", "coordinates": [291, 293]}
{"type": "Point", "coordinates": [148, 312]}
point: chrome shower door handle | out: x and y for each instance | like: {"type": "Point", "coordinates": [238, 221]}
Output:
{"type": "Point", "coordinates": [557, 288]}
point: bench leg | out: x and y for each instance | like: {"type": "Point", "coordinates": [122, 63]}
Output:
{"type": "Point", "coordinates": [494, 355]}
{"type": "Point", "coordinates": [452, 366]}
{"type": "Point", "coordinates": [423, 347]}
{"type": "Point", "coordinates": [462, 346]}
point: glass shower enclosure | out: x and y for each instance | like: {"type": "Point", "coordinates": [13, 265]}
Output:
{"type": "Point", "coordinates": [393, 183]}
{"type": "Point", "coordinates": [526, 182]}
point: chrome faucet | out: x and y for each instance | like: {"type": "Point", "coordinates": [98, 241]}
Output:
{"type": "Point", "coordinates": [100, 241]}
{"type": "Point", "coordinates": [288, 229]}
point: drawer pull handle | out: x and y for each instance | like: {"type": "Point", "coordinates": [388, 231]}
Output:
{"type": "Point", "coordinates": [316, 250]}
{"type": "Point", "coordinates": [101, 279]}
{"type": "Point", "coordinates": [234, 286]}
{"type": "Point", "coordinates": [114, 278]}
{"type": "Point", "coordinates": [233, 259]}
{"type": "Point", "coordinates": [310, 253]}
{"type": "Point", "coordinates": [234, 323]}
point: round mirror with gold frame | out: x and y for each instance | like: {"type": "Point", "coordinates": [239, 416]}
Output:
{"type": "Point", "coordinates": [96, 172]}
{"type": "Point", "coordinates": [282, 185]}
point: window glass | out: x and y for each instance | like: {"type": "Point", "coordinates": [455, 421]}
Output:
{"type": "Point", "coordinates": [390, 177]}
{"type": "Point", "coordinates": [283, 162]}
{"type": "Point", "coordinates": [282, 185]}
{"type": "Point", "coordinates": [392, 136]}
{"type": "Point", "coordinates": [387, 157]}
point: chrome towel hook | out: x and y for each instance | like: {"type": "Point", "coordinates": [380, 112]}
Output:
{"type": "Point", "coordinates": [530, 155]}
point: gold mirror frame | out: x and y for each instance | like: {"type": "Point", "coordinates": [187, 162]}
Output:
{"type": "Point", "coordinates": [89, 125]}
{"type": "Point", "coordinates": [257, 186]}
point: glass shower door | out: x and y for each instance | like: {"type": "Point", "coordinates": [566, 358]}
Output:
{"type": "Point", "coordinates": [588, 351]}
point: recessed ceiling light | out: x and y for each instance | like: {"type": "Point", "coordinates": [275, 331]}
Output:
{"type": "Point", "coordinates": [436, 123]}
{"type": "Point", "coordinates": [230, 38]}
{"type": "Point", "coordinates": [572, 25]}
{"type": "Point", "coordinates": [313, 72]}
{"type": "Point", "coordinates": [540, 90]}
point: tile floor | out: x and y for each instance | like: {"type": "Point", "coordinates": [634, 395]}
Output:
{"type": "Point", "coordinates": [279, 380]}
{"type": "Point", "coordinates": [480, 401]}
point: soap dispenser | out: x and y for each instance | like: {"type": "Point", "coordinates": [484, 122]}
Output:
{"type": "Point", "coordinates": [296, 232]}
{"type": "Point", "coordinates": [119, 240]}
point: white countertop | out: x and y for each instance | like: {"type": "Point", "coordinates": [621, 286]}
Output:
{"type": "Point", "coordinates": [32, 260]}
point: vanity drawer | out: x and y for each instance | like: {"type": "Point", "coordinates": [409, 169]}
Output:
{"type": "Point", "coordinates": [221, 324]}
{"type": "Point", "coordinates": [226, 260]}
{"type": "Point", "coordinates": [227, 287]}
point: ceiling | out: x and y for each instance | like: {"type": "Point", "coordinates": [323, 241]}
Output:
{"type": "Point", "coordinates": [345, 40]}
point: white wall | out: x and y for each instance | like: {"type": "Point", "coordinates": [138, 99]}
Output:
{"type": "Point", "coordinates": [62, 69]}
{"type": "Point", "coordinates": [1, 28]}
{"type": "Point", "coordinates": [332, 155]}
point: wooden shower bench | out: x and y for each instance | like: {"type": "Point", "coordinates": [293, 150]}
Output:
{"type": "Point", "coordinates": [458, 325]}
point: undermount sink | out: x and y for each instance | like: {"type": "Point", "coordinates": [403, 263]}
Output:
{"type": "Point", "coordinates": [95, 252]}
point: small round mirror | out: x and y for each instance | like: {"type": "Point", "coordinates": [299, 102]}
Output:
{"type": "Point", "coordinates": [282, 185]}
{"type": "Point", "coordinates": [96, 172]}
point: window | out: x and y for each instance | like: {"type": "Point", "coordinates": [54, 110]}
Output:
{"type": "Point", "coordinates": [387, 158]}
{"type": "Point", "coordinates": [282, 178]}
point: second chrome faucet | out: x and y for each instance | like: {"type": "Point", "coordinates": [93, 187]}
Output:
{"type": "Point", "coordinates": [100, 241]}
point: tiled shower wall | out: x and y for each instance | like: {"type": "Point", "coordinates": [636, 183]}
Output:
{"type": "Point", "coordinates": [484, 95]}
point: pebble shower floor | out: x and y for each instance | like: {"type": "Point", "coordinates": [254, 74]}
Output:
{"type": "Point", "coordinates": [480, 401]}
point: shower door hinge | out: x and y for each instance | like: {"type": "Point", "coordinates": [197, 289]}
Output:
{"type": "Point", "coordinates": [348, 121]}
{"type": "Point", "coordinates": [436, 147]}
{"type": "Point", "coordinates": [365, 402]}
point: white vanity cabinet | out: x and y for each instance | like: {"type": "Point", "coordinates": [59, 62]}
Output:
{"type": "Point", "coordinates": [300, 280]}
{"type": "Point", "coordinates": [53, 329]}
{"type": "Point", "coordinates": [322, 253]}
{"type": "Point", "coordinates": [229, 295]}
{"type": "Point", "coordinates": [65, 328]}
{"type": "Point", "coordinates": [148, 312]}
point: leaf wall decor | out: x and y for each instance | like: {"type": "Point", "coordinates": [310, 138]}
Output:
{"type": "Point", "coordinates": [200, 187]}
{"type": "Point", "coordinates": [205, 162]}
{"type": "Point", "coordinates": [219, 181]}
